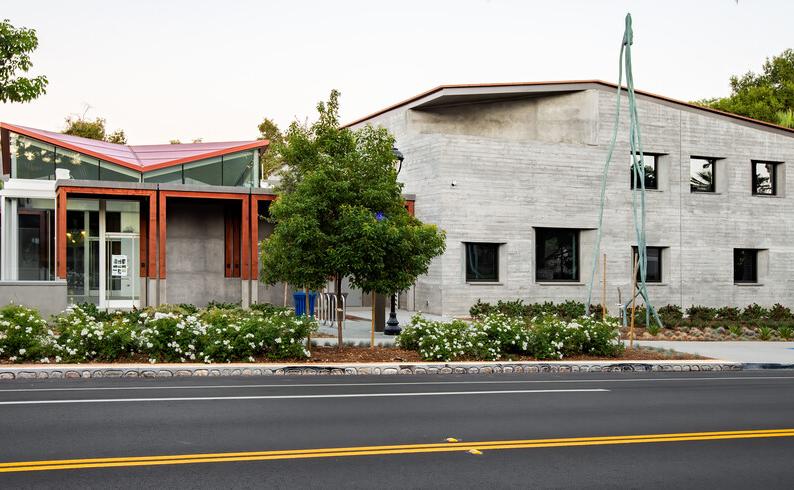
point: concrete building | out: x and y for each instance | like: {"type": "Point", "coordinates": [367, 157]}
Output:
{"type": "Point", "coordinates": [512, 173]}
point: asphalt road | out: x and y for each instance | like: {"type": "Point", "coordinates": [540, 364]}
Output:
{"type": "Point", "coordinates": [172, 422]}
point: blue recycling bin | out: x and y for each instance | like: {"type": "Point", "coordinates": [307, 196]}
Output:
{"type": "Point", "coordinates": [300, 302]}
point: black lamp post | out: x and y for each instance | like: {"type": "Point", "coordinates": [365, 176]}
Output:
{"type": "Point", "coordinates": [393, 325]}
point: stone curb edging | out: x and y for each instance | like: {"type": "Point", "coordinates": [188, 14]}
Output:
{"type": "Point", "coordinates": [75, 371]}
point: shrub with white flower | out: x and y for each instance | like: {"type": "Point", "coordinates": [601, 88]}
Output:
{"type": "Point", "coordinates": [83, 337]}
{"type": "Point", "coordinates": [24, 334]}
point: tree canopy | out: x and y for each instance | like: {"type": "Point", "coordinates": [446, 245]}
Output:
{"type": "Point", "coordinates": [270, 160]}
{"type": "Point", "coordinates": [16, 44]}
{"type": "Point", "coordinates": [340, 211]}
{"type": "Point", "coordinates": [78, 126]}
{"type": "Point", "coordinates": [768, 96]}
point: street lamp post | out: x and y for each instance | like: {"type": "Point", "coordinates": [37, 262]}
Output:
{"type": "Point", "coordinates": [393, 325]}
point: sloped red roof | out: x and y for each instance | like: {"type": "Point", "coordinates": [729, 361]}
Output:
{"type": "Point", "coordinates": [138, 157]}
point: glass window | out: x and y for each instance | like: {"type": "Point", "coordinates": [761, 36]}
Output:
{"type": "Point", "coordinates": [482, 262]}
{"type": "Point", "coordinates": [653, 263]}
{"type": "Point", "coordinates": [207, 172]}
{"type": "Point", "coordinates": [164, 175]}
{"type": "Point", "coordinates": [238, 169]}
{"type": "Point", "coordinates": [701, 174]}
{"type": "Point", "coordinates": [122, 216]}
{"type": "Point", "coordinates": [764, 178]}
{"type": "Point", "coordinates": [556, 254]}
{"type": "Point", "coordinates": [651, 182]}
{"type": "Point", "coordinates": [117, 173]}
{"type": "Point", "coordinates": [80, 167]}
{"type": "Point", "coordinates": [36, 239]}
{"type": "Point", "coordinates": [82, 250]}
{"type": "Point", "coordinates": [34, 159]}
{"type": "Point", "coordinates": [745, 265]}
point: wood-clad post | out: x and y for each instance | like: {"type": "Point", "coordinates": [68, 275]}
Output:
{"type": "Point", "coordinates": [61, 234]}
{"type": "Point", "coordinates": [254, 240]}
{"type": "Point", "coordinates": [245, 233]}
{"type": "Point", "coordinates": [151, 249]}
{"type": "Point", "coordinates": [163, 198]}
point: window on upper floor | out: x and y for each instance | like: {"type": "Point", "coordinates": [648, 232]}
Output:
{"type": "Point", "coordinates": [653, 260]}
{"type": "Point", "coordinates": [651, 167]}
{"type": "Point", "coordinates": [745, 265]}
{"type": "Point", "coordinates": [556, 254]}
{"type": "Point", "coordinates": [482, 262]}
{"type": "Point", "coordinates": [765, 176]}
{"type": "Point", "coordinates": [702, 174]}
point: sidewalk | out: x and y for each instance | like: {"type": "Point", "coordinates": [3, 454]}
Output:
{"type": "Point", "coordinates": [357, 331]}
{"type": "Point", "coordinates": [733, 351]}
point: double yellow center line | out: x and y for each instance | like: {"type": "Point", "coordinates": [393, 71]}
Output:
{"type": "Point", "coordinates": [462, 446]}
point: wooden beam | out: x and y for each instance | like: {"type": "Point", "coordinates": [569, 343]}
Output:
{"type": "Point", "coordinates": [245, 234]}
{"type": "Point", "coordinates": [162, 232]}
{"type": "Point", "coordinates": [254, 239]}
{"type": "Point", "coordinates": [152, 235]}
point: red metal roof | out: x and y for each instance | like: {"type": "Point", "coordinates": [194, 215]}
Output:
{"type": "Point", "coordinates": [138, 157]}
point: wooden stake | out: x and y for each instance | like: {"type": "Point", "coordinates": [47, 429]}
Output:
{"type": "Point", "coordinates": [286, 289]}
{"type": "Point", "coordinates": [306, 312]}
{"type": "Point", "coordinates": [633, 300]}
{"type": "Point", "coordinates": [372, 332]}
{"type": "Point", "coordinates": [604, 289]}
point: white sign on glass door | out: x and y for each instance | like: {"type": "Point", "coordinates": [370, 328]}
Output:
{"type": "Point", "coordinates": [118, 265]}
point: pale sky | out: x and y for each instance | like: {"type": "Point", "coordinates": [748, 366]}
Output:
{"type": "Point", "coordinates": [213, 69]}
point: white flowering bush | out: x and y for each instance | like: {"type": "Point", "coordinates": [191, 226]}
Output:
{"type": "Point", "coordinates": [81, 336]}
{"type": "Point", "coordinates": [170, 333]}
{"type": "Point", "coordinates": [24, 335]}
{"type": "Point", "coordinates": [496, 336]}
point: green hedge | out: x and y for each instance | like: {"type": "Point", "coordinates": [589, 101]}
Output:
{"type": "Point", "coordinates": [170, 333]}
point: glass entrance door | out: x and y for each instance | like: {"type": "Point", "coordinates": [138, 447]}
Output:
{"type": "Point", "coordinates": [103, 252]}
{"type": "Point", "coordinates": [122, 275]}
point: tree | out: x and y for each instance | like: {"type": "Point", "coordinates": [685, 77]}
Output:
{"type": "Point", "coordinates": [95, 130]}
{"type": "Point", "coordinates": [270, 160]}
{"type": "Point", "coordinates": [16, 44]}
{"type": "Point", "coordinates": [340, 212]}
{"type": "Point", "coordinates": [768, 96]}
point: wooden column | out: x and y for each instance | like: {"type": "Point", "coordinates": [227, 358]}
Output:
{"type": "Point", "coordinates": [245, 238]}
{"type": "Point", "coordinates": [254, 238]}
{"type": "Point", "coordinates": [60, 226]}
{"type": "Point", "coordinates": [152, 236]}
{"type": "Point", "coordinates": [161, 235]}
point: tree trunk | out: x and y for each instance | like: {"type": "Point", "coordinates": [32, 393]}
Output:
{"type": "Point", "coordinates": [339, 311]}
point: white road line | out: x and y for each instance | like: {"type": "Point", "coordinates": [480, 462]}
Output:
{"type": "Point", "coordinates": [291, 397]}
{"type": "Point", "coordinates": [400, 383]}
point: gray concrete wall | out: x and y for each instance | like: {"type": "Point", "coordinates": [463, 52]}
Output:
{"type": "Point", "coordinates": [271, 294]}
{"type": "Point", "coordinates": [513, 171]}
{"type": "Point", "coordinates": [47, 297]}
{"type": "Point", "coordinates": [195, 255]}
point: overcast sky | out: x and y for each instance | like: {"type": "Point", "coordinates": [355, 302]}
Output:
{"type": "Point", "coordinates": [213, 69]}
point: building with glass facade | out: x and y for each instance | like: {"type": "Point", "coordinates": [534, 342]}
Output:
{"type": "Point", "coordinates": [127, 226]}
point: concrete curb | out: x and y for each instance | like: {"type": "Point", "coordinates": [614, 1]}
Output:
{"type": "Point", "coordinates": [75, 371]}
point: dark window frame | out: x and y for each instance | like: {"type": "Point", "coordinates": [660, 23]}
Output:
{"type": "Point", "coordinates": [660, 250]}
{"type": "Point", "coordinates": [754, 272]}
{"type": "Point", "coordinates": [773, 177]}
{"type": "Point", "coordinates": [469, 275]}
{"type": "Point", "coordinates": [645, 155]}
{"type": "Point", "coordinates": [713, 187]}
{"type": "Point", "coordinates": [540, 252]}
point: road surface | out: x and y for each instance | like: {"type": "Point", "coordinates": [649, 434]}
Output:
{"type": "Point", "coordinates": [649, 430]}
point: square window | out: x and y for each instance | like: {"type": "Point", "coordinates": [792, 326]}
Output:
{"type": "Point", "coordinates": [701, 174]}
{"type": "Point", "coordinates": [764, 178]}
{"type": "Point", "coordinates": [651, 168]}
{"type": "Point", "coordinates": [745, 265]}
{"type": "Point", "coordinates": [556, 254]}
{"type": "Point", "coordinates": [482, 262]}
{"type": "Point", "coordinates": [653, 263]}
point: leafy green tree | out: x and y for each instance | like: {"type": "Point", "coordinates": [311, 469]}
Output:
{"type": "Point", "coordinates": [16, 44]}
{"type": "Point", "coordinates": [95, 130]}
{"type": "Point", "coordinates": [768, 96]}
{"type": "Point", "coordinates": [340, 212]}
{"type": "Point", "coordinates": [270, 161]}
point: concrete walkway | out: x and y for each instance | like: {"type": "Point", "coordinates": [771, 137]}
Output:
{"type": "Point", "coordinates": [734, 351]}
{"type": "Point", "coordinates": [357, 331]}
